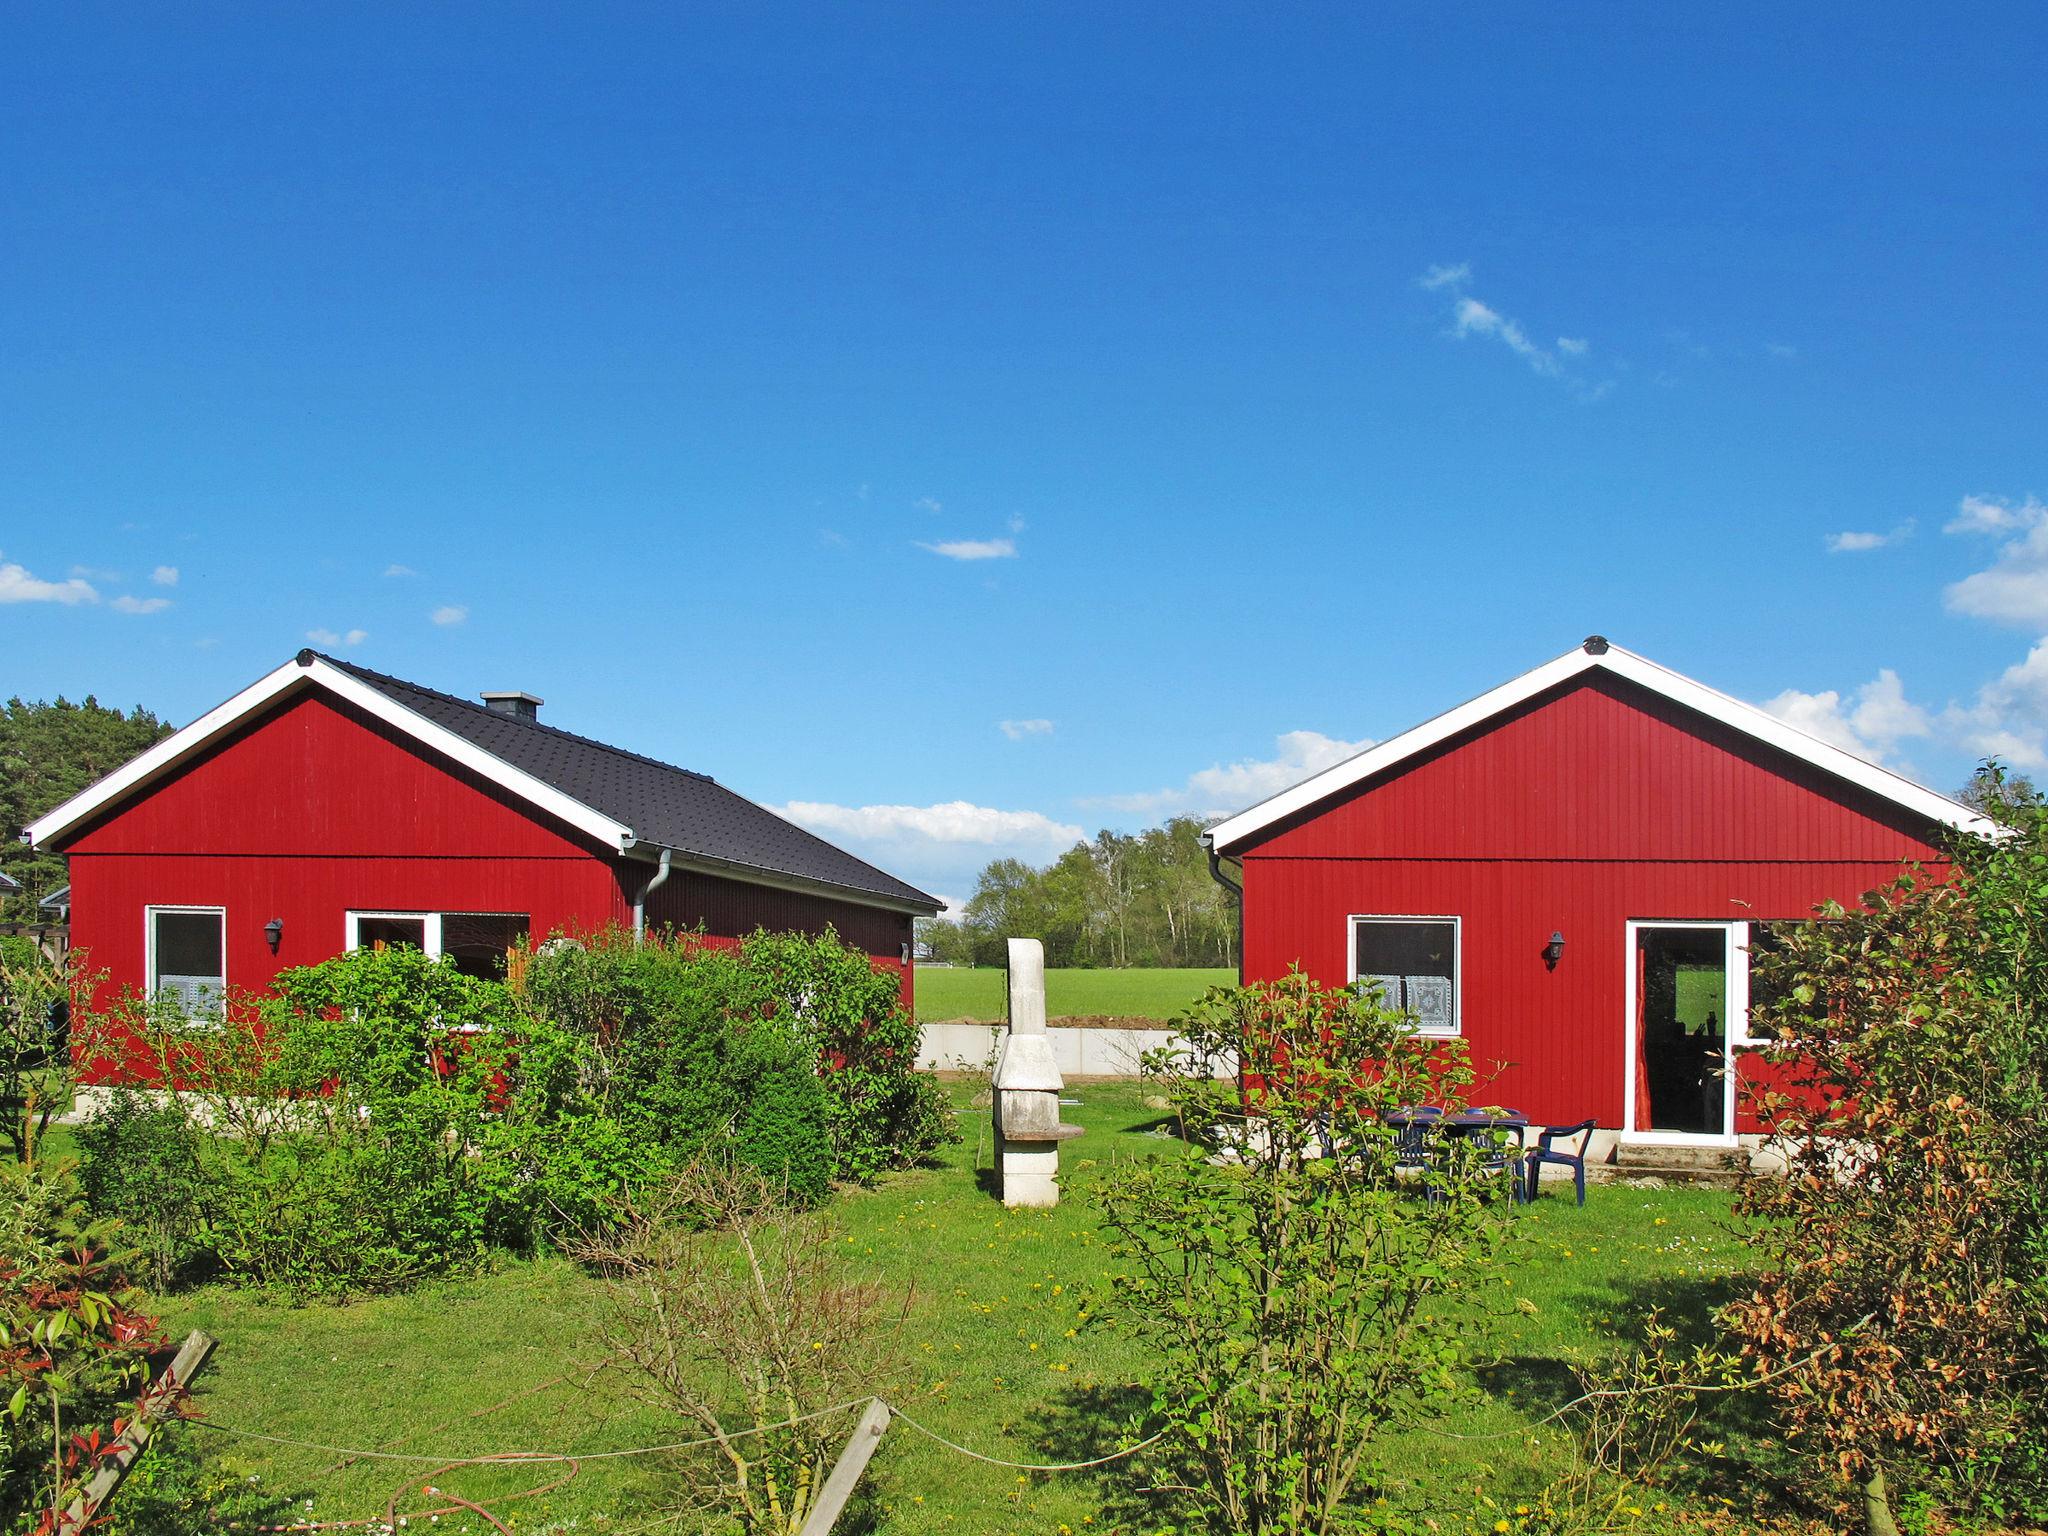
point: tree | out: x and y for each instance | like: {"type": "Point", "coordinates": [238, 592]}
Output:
{"type": "Point", "coordinates": [1904, 1296]}
{"type": "Point", "coordinates": [1298, 1303]}
{"type": "Point", "coordinates": [48, 753]}
{"type": "Point", "coordinates": [1997, 792]}
{"type": "Point", "coordinates": [1119, 899]}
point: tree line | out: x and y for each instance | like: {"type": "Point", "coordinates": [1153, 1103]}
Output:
{"type": "Point", "coordinates": [48, 753]}
{"type": "Point", "coordinates": [1122, 899]}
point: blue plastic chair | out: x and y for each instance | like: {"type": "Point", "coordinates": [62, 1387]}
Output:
{"type": "Point", "coordinates": [1546, 1151]}
{"type": "Point", "coordinates": [1496, 1154]}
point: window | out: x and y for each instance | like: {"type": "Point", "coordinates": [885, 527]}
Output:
{"type": "Point", "coordinates": [1768, 981]}
{"type": "Point", "coordinates": [476, 941]}
{"type": "Point", "coordinates": [187, 957]}
{"type": "Point", "coordinates": [1413, 962]}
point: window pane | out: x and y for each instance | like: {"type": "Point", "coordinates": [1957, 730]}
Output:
{"type": "Point", "coordinates": [391, 932]}
{"type": "Point", "coordinates": [1414, 966]}
{"type": "Point", "coordinates": [188, 959]}
{"type": "Point", "coordinates": [477, 941]}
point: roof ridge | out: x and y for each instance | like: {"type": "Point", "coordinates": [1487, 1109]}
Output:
{"type": "Point", "coordinates": [538, 725]}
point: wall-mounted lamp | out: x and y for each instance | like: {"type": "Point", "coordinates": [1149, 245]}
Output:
{"type": "Point", "coordinates": [273, 933]}
{"type": "Point", "coordinates": [1554, 950]}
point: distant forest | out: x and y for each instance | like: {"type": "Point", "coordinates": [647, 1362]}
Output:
{"type": "Point", "coordinates": [48, 753]}
{"type": "Point", "coordinates": [1143, 898]}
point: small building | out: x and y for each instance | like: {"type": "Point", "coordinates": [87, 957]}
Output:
{"type": "Point", "coordinates": [327, 806]}
{"type": "Point", "coordinates": [1571, 873]}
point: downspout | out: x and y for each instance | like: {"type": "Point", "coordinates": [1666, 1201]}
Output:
{"type": "Point", "coordinates": [647, 890]}
{"type": "Point", "coordinates": [1234, 892]}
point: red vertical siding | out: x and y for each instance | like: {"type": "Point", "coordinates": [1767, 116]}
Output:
{"type": "Point", "coordinates": [1574, 814]}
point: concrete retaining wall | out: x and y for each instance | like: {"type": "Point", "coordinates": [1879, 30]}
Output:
{"type": "Point", "coordinates": [965, 1046]}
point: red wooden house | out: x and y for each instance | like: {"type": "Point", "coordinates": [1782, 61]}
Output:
{"type": "Point", "coordinates": [1570, 872]}
{"type": "Point", "coordinates": [327, 806]}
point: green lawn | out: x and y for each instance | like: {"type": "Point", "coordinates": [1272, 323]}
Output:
{"type": "Point", "coordinates": [949, 993]}
{"type": "Point", "coordinates": [1001, 1357]}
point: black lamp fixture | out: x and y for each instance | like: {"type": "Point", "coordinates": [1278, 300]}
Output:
{"type": "Point", "coordinates": [273, 933]}
{"type": "Point", "coordinates": [1554, 950]}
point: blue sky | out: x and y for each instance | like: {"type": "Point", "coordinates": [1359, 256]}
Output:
{"type": "Point", "coordinates": [1294, 373]}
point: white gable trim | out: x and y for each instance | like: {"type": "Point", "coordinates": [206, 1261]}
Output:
{"type": "Point", "coordinates": [1710, 702]}
{"type": "Point", "coordinates": [175, 749]}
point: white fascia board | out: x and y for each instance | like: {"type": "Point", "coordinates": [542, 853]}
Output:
{"type": "Point", "coordinates": [1377, 759]}
{"type": "Point", "coordinates": [1716, 705]}
{"type": "Point", "coordinates": [781, 880]}
{"type": "Point", "coordinates": [217, 722]}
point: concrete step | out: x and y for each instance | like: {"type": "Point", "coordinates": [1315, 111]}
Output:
{"type": "Point", "coordinates": [1722, 1167]}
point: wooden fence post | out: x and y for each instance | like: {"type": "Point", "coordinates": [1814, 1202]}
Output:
{"type": "Point", "coordinates": [847, 1470]}
{"type": "Point", "coordinates": [128, 1445]}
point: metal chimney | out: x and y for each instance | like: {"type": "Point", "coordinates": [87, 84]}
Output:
{"type": "Point", "coordinates": [511, 701]}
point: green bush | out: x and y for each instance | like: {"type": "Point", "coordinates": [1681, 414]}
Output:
{"type": "Point", "coordinates": [139, 1162]}
{"type": "Point", "coordinates": [783, 1132]}
{"type": "Point", "coordinates": [383, 1117]}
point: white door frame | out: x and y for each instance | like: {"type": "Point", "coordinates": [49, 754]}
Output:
{"type": "Point", "coordinates": [1735, 1010]}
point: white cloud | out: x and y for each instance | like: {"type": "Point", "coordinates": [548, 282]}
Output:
{"type": "Point", "coordinates": [1017, 730]}
{"type": "Point", "coordinates": [2009, 717]}
{"type": "Point", "coordinates": [395, 570]}
{"type": "Point", "coordinates": [95, 573]}
{"type": "Point", "coordinates": [1993, 514]}
{"type": "Point", "coordinates": [954, 821]}
{"type": "Point", "coordinates": [18, 586]}
{"type": "Point", "coordinates": [451, 613]}
{"type": "Point", "coordinates": [1856, 543]}
{"type": "Point", "coordinates": [126, 603]}
{"type": "Point", "coordinates": [974, 549]}
{"type": "Point", "coordinates": [1225, 788]}
{"type": "Point", "coordinates": [1780, 351]}
{"type": "Point", "coordinates": [2014, 588]}
{"type": "Point", "coordinates": [1477, 319]}
{"type": "Point", "coordinates": [330, 638]}
{"type": "Point", "coordinates": [165, 575]}
{"type": "Point", "coordinates": [929, 504]}
{"type": "Point", "coordinates": [1871, 722]}
{"type": "Point", "coordinates": [1473, 317]}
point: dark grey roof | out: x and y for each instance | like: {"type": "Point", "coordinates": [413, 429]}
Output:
{"type": "Point", "coordinates": [666, 806]}
{"type": "Point", "coordinates": [60, 897]}
{"type": "Point", "coordinates": [8, 882]}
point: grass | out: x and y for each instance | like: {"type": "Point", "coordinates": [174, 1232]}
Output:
{"type": "Point", "coordinates": [950, 993]}
{"type": "Point", "coordinates": [1001, 1356]}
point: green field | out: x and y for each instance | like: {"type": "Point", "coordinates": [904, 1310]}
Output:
{"type": "Point", "coordinates": [948, 993]}
{"type": "Point", "coordinates": [999, 1353]}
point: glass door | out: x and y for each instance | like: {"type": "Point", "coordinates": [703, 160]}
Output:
{"type": "Point", "coordinates": [1680, 1005]}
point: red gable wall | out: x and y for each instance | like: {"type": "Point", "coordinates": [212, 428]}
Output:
{"type": "Point", "coordinates": [1575, 813]}
{"type": "Point", "coordinates": [311, 811]}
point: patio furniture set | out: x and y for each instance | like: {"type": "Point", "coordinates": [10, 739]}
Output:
{"type": "Point", "coordinates": [1425, 1137]}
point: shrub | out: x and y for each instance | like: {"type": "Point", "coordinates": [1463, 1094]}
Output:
{"type": "Point", "coordinates": [881, 1111]}
{"type": "Point", "coordinates": [73, 1341]}
{"type": "Point", "coordinates": [1298, 1303]}
{"type": "Point", "coordinates": [1906, 1255]}
{"type": "Point", "coordinates": [140, 1164]}
{"type": "Point", "coordinates": [733, 1310]}
{"type": "Point", "coordinates": [783, 1132]}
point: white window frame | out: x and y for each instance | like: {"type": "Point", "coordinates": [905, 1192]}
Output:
{"type": "Point", "coordinates": [149, 977]}
{"type": "Point", "coordinates": [1734, 1033]}
{"type": "Point", "coordinates": [430, 929]}
{"type": "Point", "coordinates": [1351, 924]}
